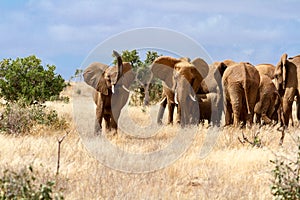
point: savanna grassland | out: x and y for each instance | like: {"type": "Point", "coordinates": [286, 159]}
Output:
{"type": "Point", "coordinates": [231, 170]}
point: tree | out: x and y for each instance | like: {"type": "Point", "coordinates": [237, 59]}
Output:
{"type": "Point", "coordinates": [78, 74]}
{"type": "Point", "coordinates": [26, 79]}
{"type": "Point", "coordinates": [132, 57]}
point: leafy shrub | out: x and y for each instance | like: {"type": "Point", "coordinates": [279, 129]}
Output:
{"type": "Point", "coordinates": [19, 118]}
{"type": "Point", "coordinates": [286, 177]}
{"type": "Point", "coordinates": [26, 78]}
{"type": "Point", "coordinates": [24, 185]}
{"type": "Point", "coordinates": [64, 99]}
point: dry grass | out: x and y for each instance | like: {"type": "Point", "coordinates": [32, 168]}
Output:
{"type": "Point", "coordinates": [230, 170]}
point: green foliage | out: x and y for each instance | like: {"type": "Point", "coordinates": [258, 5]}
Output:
{"type": "Point", "coordinates": [286, 177]}
{"type": "Point", "coordinates": [132, 57]}
{"type": "Point", "coordinates": [26, 79]}
{"type": "Point", "coordinates": [64, 99]}
{"type": "Point", "coordinates": [19, 118]}
{"type": "Point", "coordinates": [24, 185]}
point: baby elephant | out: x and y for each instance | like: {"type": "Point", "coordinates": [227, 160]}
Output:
{"type": "Point", "coordinates": [269, 101]}
{"type": "Point", "coordinates": [208, 106]}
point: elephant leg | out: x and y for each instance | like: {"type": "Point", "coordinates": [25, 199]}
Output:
{"type": "Point", "coordinates": [171, 107]}
{"type": "Point", "coordinates": [178, 113]}
{"type": "Point", "coordinates": [257, 118]}
{"type": "Point", "coordinates": [114, 121]}
{"type": "Point", "coordinates": [287, 111]}
{"type": "Point", "coordinates": [161, 111]}
{"type": "Point", "coordinates": [228, 113]}
{"type": "Point", "coordinates": [287, 104]}
{"type": "Point", "coordinates": [107, 122]}
{"type": "Point", "coordinates": [266, 119]}
{"type": "Point", "coordinates": [298, 108]}
{"type": "Point", "coordinates": [237, 105]}
{"type": "Point", "coordinates": [291, 118]}
{"type": "Point", "coordinates": [249, 117]}
{"type": "Point", "coordinates": [98, 121]}
{"type": "Point", "coordinates": [252, 99]}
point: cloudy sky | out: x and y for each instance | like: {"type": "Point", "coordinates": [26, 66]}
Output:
{"type": "Point", "coordinates": [63, 32]}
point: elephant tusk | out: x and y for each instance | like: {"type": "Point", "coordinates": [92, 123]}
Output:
{"type": "Point", "coordinates": [162, 100]}
{"type": "Point", "coordinates": [113, 89]}
{"type": "Point", "coordinates": [193, 98]}
{"type": "Point", "coordinates": [125, 88]}
{"type": "Point", "coordinates": [175, 98]}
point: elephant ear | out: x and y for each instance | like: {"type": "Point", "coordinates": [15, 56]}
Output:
{"type": "Point", "coordinates": [283, 61]}
{"type": "Point", "coordinates": [128, 75]}
{"type": "Point", "coordinates": [201, 66]}
{"type": "Point", "coordinates": [221, 67]}
{"type": "Point", "coordinates": [219, 70]}
{"type": "Point", "coordinates": [163, 68]}
{"type": "Point", "coordinates": [94, 76]}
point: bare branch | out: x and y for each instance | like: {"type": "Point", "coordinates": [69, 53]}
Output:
{"type": "Point", "coordinates": [58, 152]}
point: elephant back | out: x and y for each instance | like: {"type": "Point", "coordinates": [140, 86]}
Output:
{"type": "Point", "coordinates": [241, 72]}
{"type": "Point", "coordinates": [295, 60]}
{"type": "Point", "coordinates": [266, 69]}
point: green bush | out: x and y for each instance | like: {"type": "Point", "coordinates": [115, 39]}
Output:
{"type": "Point", "coordinates": [19, 118]}
{"type": "Point", "coordinates": [26, 79]}
{"type": "Point", "coordinates": [24, 185]}
{"type": "Point", "coordinates": [286, 177]}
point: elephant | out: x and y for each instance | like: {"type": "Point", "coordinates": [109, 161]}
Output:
{"type": "Point", "coordinates": [209, 107]}
{"type": "Point", "coordinates": [287, 79]}
{"type": "Point", "coordinates": [181, 81]}
{"type": "Point", "coordinates": [269, 101]}
{"type": "Point", "coordinates": [111, 91]}
{"type": "Point", "coordinates": [213, 81]}
{"type": "Point", "coordinates": [240, 84]}
{"type": "Point", "coordinates": [266, 69]}
{"type": "Point", "coordinates": [212, 85]}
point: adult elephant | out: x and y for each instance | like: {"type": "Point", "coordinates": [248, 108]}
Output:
{"type": "Point", "coordinates": [181, 81]}
{"type": "Point", "coordinates": [287, 76]}
{"type": "Point", "coordinates": [210, 94]}
{"type": "Point", "coordinates": [269, 101]}
{"type": "Point", "coordinates": [266, 69]}
{"type": "Point", "coordinates": [111, 90]}
{"type": "Point", "coordinates": [240, 84]}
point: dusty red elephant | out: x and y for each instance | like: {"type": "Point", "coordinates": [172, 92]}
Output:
{"type": "Point", "coordinates": [111, 90]}
{"type": "Point", "coordinates": [240, 83]}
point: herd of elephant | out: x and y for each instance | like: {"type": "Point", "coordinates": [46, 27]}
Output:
{"type": "Point", "coordinates": [245, 93]}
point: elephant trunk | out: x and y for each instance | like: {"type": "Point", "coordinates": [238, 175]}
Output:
{"type": "Point", "coordinates": [187, 101]}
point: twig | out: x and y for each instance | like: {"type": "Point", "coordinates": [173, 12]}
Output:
{"type": "Point", "coordinates": [58, 153]}
{"type": "Point", "coordinates": [245, 139]}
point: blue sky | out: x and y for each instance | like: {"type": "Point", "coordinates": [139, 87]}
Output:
{"type": "Point", "coordinates": [64, 32]}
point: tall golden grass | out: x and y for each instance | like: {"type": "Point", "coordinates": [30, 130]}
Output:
{"type": "Point", "coordinates": [231, 170]}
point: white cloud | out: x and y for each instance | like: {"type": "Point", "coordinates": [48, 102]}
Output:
{"type": "Point", "coordinates": [227, 28]}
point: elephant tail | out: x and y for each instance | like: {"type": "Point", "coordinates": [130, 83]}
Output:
{"type": "Point", "coordinates": [245, 88]}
